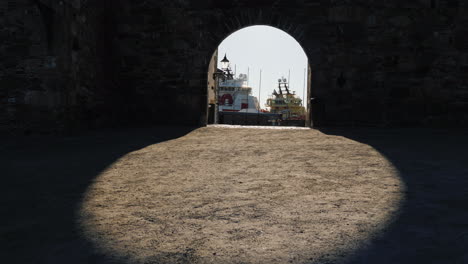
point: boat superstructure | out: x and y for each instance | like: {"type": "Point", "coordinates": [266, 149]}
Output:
{"type": "Point", "coordinates": [285, 102]}
{"type": "Point", "coordinates": [234, 95]}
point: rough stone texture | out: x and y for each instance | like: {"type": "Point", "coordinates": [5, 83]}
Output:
{"type": "Point", "coordinates": [101, 63]}
{"type": "Point", "coordinates": [282, 203]}
{"type": "Point", "coordinates": [170, 195]}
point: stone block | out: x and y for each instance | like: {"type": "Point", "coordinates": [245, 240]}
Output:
{"type": "Point", "coordinates": [400, 21]}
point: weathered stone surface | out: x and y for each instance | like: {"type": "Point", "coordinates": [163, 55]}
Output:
{"type": "Point", "coordinates": [101, 63]}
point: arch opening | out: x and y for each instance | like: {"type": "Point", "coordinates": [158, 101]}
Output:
{"type": "Point", "coordinates": [259, 75]}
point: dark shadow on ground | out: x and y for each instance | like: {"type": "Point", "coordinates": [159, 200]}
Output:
{"type": "Point", "coordinates": [433, 225]}
{"type": "Point", "coordinates": [43, 179]}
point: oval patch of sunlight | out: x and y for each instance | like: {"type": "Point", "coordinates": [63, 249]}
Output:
{"type": "Point", "coordinates": [220, 195]}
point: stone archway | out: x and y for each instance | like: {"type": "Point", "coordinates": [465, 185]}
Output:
{"type": "Point", "coordinates": [361, 57]}
{"type": "Point", "coordinates": [312, 47]}
{"type": "Point", "coordinates": [373, 64]}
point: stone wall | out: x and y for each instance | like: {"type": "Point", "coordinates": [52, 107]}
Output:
{"type": "Point", "coordinates": [43, 44]}
{"type": "Point", "coordinates": [114, 63]}
{"type": "Point", "coordinates": [211, 84]}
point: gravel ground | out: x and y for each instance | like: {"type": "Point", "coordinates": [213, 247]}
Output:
{"type": "Point", "coordinates": [242, 195]}
{"type": "Point", "coordinates": [224, 194]}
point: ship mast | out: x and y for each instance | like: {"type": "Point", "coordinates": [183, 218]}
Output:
{"type": "Point", "coordinates": [283, 86]}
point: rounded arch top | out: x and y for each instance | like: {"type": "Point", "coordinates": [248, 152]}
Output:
{"type": "Point", "coordinates": [271, 34]}
{"type": "Point", "coordinates": [226, 23]}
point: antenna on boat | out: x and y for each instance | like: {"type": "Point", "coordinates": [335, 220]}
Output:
{"type": "Point", "coordinates": [248, 75]}
{"type": "Point", "coordinates": [259, 99]}
{"type": "Point", "coordinates": [279, 86]}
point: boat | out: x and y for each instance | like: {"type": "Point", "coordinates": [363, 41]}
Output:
{"type": "Point", "coordinates": [234, 95]}
{"type": "Point", "coordinates": [287, 104]}
{"type": "Point", "coordinates": [235, 103]}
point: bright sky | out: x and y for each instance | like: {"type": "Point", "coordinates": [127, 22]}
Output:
{"type": "Point", "coordinates": [267, 48]}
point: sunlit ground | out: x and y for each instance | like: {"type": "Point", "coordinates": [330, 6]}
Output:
{"type": "Point", "coordinates": [261, 127]}
{"type": "Point", "coordinates": [221, 195]}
